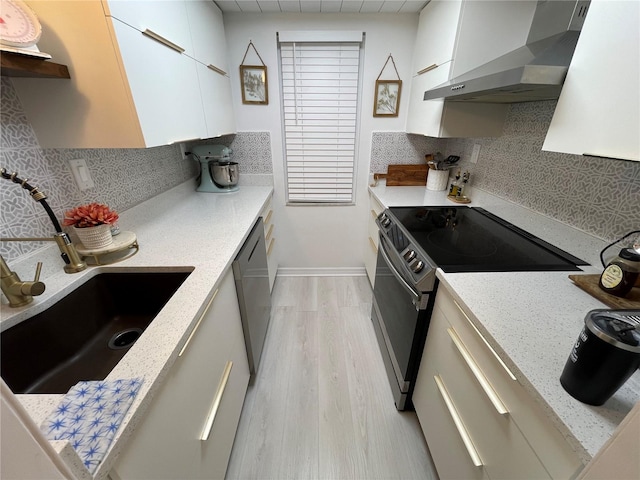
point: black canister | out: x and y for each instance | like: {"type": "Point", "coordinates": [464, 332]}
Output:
{"type": "Point", "coordinates": [605, 355]}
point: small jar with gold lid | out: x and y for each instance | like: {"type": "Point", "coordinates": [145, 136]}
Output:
{"type": "Point", "coordinates": [621, 274]}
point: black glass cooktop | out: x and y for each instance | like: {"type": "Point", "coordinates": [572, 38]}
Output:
{"type": "Point", "coordinates": [471, 239]}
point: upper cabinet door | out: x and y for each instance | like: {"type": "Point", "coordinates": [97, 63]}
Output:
{"type": "Point", "coordinates": [436, 34]}
{"type": "Point", "coordinates": [216, 102]}
{"type": "Point", "coordinates": [207, 33]}
{"type": "Point", "coordinates": [169, 107]}
{"type": "Point", "coordinates": [598, 112]}
{"type": "Point", "coordinates": [166, 18]}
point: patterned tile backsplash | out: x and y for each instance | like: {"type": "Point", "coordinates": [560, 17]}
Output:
{"type": "Point", "coordinates": [597, 195]}
{"type": "Point", "coordinates": [122, 177]}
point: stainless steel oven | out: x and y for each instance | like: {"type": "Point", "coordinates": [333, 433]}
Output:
{"type": "Point", "coordinates": [400, 315]}
{"type": "Point", "coordinates": [414, 242]}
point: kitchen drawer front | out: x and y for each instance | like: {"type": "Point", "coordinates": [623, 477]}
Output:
{"type": "Point", "coordinates": [169, 442]}
{"type": "Point", "coordinates": [449, 453]}
{"type": "Point", "coordinates": [553, 450]}
{"type": "Point", "coordinates": [267, 220]}
{"type": "Point", "coordinates": [502, 448]}
{"type": "Point", "coordinates": [371, 249]}
{"type": "Point", "coordinates": [375, 209]}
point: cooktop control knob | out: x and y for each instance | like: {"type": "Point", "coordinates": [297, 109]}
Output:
{"type": "Point", "coordinates": [385, 221]}
{"type": "Point", "coordinates": [410, 255]}
{"type": "Point", "coordinates": [417, 266]}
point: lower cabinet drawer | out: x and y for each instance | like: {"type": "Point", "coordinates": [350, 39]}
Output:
{"type": "Point", "coordinates": [190, 426]}
{"type": "Point", "coordinates": [544, 438]}
{"type": "Point", "coordinates": [492, 441]}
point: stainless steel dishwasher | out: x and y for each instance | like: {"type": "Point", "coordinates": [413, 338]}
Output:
{"type": "Point", "coordinates": [254, 294]}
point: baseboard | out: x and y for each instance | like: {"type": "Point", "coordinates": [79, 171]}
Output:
{"type": "Point", "coordinates": [322, 272]}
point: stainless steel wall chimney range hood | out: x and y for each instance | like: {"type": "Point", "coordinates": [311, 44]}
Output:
{"type": "Point", "coordinates": [535, 71]}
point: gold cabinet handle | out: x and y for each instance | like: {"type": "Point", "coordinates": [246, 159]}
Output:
{"type": "Point", "coordinates": [217, 398]}
{"type": "Point", "coordinates": [269, 232]}
{"type": "Point", "coordinates": [270, 246]}
{"type": "Point", "coordinates": [462, 430]}
{"type": "Point", "coordinates": [427, 69]}
{"type": "Point", "coordinates": [193, 332]}
{"type": "Point", "coordinates": [495, 354]}
{"type": "Point", "coordinates": [267, 219]}
{"type": "Point", "coordinates": [374, 214]}
{"type": "Point", "coordinates": [162, 40]}
{"type": "Point", "coordinates": [216, 69]}
{"type": "Point", "coordinates": [478, 373]}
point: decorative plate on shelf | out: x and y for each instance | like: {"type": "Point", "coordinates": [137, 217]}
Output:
{"type": "Point", "coordinates": [19, 25]}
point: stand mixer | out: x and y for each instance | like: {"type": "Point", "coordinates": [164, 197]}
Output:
{"type": "Point", "coordinates": [218, 174]}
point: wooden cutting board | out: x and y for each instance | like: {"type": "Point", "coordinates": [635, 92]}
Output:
{"type": "Point", "coordinates": [589, 283]}
{"type": "Point", "coordinates": [406, 175]}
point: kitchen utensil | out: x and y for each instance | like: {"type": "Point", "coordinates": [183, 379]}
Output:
{"type": "Point", "coordinates": [218, 174]}
{"type": "Point", "coordinates": [407, 175]}
{"type": "Point", "coordinates": [438, 180]}
{"type": "Point", "coordinates": [225, 174]}
{"type": "Point", "coordinates": [605, 355]}
{"type": "Point", "coordinates": [451, 161]}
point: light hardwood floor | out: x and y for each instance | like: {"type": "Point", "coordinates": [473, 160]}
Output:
{"type": "Point", "coordinates": [320, 406]}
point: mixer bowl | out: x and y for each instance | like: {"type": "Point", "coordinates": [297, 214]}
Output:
{"type": "Point", "coordinates": [224, 174]}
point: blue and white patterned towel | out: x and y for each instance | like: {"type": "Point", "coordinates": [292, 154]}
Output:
{"type": "Point", "coordinates": [89, 416]}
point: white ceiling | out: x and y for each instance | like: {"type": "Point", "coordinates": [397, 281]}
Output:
{"type": "Point", "coordinates": [322, 6]}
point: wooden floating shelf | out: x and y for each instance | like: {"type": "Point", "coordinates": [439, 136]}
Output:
{"type": "Point", "coordinates": [16, 65]}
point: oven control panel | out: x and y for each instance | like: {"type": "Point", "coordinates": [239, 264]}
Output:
{"type": "Point", "coordinates": [406, 253]}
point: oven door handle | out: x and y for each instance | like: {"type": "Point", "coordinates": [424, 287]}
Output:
{"type": "Point", "coordinates": [419, 301]}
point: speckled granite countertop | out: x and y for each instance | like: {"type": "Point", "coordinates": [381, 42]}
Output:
{"type": "Point", "coordinates": [177, 230]}
{"type": "Point", "coordinates": [533, 319]}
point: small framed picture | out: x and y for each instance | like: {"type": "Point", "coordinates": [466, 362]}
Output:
{"type": "Point", "coordinates": [387, 99]}
{"type": "Point", "coordinates": [254, 84]}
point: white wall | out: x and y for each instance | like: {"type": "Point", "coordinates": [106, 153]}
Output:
{"type": "Point", "coordinates": [317, 237]}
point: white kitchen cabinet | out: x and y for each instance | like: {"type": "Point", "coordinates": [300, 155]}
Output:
{"type": "Point", "coordinates": [167, 18]}
{"type": "Point", "coordinates": [455, 37]}
{"type": "Point", "coordinates": [168, 443]}
{"type": "Point", "coordinates": [209, 51]}
{"type": "Point", "coordinates": [598, 112]}
{"type": "Point", "coordinates": [207, 32]}
{"type": "Point", "coordinates": [129, 88]}
{"type": "Point", "coordinates": [478, 421]}
{"type": "Point", "coordinates": [267, 220]}
{"type": "Point", "coordinates": [169, 107]}
{"type": "Point", "coordinates": [371, 249]}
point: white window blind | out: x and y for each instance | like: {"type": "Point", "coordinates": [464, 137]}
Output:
{"type": "Point", "coordinates": [320, 103]}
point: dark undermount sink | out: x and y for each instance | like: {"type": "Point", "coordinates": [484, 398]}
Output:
{"type": "Point", "coordinates": [84, 335]}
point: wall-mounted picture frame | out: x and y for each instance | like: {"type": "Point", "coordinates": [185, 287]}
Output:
{"type": "Point", "coordinates": [387, 98]}
{"type": "Point", "coordinates": [255, 89]}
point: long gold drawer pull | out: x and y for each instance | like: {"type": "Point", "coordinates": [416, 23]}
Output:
{"type": "Point", "coordinates": [267, 219]}
{"type": "Point", "coordinates": [216, 69]}
{"type": "Point", "coordinates": [495, 354]}
{"type": "Point", "coordinates": [208, 424]}
{"type": "Point", "coordinates": [193, 332]}
{"type": "Point", "coordinates": [273, 240]}
{"type": "Point", "coordinates": [428, 69]}
{"type": "Point", "coordinates": [269, 232]}
{"type": "Point", "coordinates": [373, 244]}
{"type": "Point", "coordinates": [462, 430]}
{"type": "Point", "coordinates": [480, 377]}
{"type": "Point", "coordinates": [374, 214]}
{"type": "Point", "coordinates": [162, 40]}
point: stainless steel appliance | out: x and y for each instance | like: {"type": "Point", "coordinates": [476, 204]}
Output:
{"type": "Point", "coordinates": [533, 72]}
{"type": "Point", "coordinates": [414, 241]}
{"type": "Point", "coordinates": [218, 174]}
{"type": "Point", "coordinates": [254, 294]}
